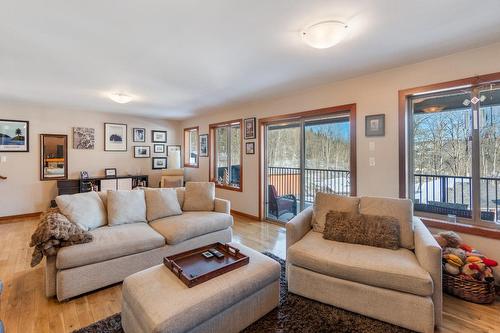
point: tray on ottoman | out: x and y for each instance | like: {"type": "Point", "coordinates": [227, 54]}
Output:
{"type": "Point", "coordinates": [193, 268]}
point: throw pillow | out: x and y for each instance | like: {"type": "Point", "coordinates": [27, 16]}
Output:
{"type": "Point", "coordinates": [199, 196]}
{"type": "Point", "coordinates": [84, 209]}
{"type": "Point", "coordinates": [401, 209]}
{"type": "Point", "coordinates": [326, 202]}
{"type": "Point", "coordinates": [126, 207]}
{"type": "Point", "coordinates": [104, 198]}
{"type": "Point", "coordinates": [371, 230]}
{"type": "Point", "coordinates": [181, 192]}
{"type": "Point", "coordinates": [161, 202]}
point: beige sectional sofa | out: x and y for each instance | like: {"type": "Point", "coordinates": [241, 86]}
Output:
{"type": "Point", "coordinates": [402, 286]}
{"type": "Point", "coordinates": [118, 251]}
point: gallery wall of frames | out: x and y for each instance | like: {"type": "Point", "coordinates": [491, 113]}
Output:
{"type": "Point", "coordinates": [39, 147]}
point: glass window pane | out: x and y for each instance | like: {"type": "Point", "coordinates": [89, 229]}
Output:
{"type": "Point", "coordinates": [442, 153]}
{"type": "Point", "coordinates": [221, 153]}
{"type": "Point", "coordinates": [489, 158]}
{"type": "Point", "coordinates": [327, 150]}
{"type": "Point", "coordinates": [235, 154]}
{"type": "Point", "coordinates": [193, 147]}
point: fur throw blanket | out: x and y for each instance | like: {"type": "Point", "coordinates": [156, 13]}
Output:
{"type": "Point", "coordinates": [53, 232]}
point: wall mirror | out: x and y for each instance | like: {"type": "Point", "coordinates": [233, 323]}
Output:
{"type": "Point", "coordinates": [53, 156]}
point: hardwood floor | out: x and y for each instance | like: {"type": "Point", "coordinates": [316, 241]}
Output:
{"type": "Point", "coordinates": [25, 309]}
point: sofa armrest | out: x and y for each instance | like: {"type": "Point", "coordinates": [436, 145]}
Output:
{"type": "Point", "coordinates": [297, 227]}
{"type": "Point", "coordinates": [428, 254]}
{"type": "Point", "coordinates": [222, 206]}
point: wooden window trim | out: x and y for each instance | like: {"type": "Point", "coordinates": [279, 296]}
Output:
{"type": "Point", "coordinates": [211, 146]}
{"type": "Point", "coordinates": [462, 228]}
{"type": "Point", "coordinates": [348, 108]}
{"type": "Point", "coordinates": [186, 148]}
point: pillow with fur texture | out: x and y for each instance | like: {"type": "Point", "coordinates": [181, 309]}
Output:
{"type": "Point", "coordinates": [325, 202]}
{"type": "Point", "coordinates": [371, 230]}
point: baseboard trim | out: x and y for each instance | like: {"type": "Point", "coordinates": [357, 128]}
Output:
{"type": "Point", "coordinates": [18, 218]}
{"type": "Point", "coordinates": [248, 216]}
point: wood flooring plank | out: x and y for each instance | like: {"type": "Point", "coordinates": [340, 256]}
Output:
{"type": "Point", "coordinates": [24, 307]}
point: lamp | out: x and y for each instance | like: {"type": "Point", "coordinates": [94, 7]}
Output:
{"type": "Point", "coordinates": [324, 34]}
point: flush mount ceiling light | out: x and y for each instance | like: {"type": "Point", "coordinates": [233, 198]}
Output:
{"type": "Point", "coordinates": [120, 97]}
{"type": "Point", "coordinates": [434, 108]}
{"type": "Point", "coordinates": [325, 34]}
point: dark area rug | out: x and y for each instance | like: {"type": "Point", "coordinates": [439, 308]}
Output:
{"type": "Point", "coordinates": [294, 314]}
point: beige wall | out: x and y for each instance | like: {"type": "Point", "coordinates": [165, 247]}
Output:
{"type": "Point", "coordinates": [23, 192]}
{"type": "Point", "coordinates": [374, 93]}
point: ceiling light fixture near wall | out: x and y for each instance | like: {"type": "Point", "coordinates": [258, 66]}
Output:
{"type": "Point", "coordinates": [120, 97]}
{"type": "Point", "coordinates": [434, 108]}
{"type": "Point", "coordinates": [324, 34]}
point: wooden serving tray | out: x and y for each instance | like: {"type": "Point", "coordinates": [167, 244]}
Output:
{"type": "Point", "coordinates": [192, 268]}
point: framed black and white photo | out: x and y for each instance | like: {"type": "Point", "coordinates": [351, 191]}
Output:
{"type": "Point", "coordinates": [142, 151]}
{"type": "Point", "coordinates": [250, 132]}
{"type": "Point", "coordinates": [83, 138]}
{"type": "Point", "coordinates": [159, 136]}
{"type": "Point", "coordinates": [172, 148]}
{"type": "Point", "coordinates": [375, 125]}
{"type": "Point", "coordinates": [139, 134]}
{"type": "Point", "coordinates": [84, 175]}
{"type": "Point", "coordinates": [203, 145]}
{"type": "Point", "coordinates": [159, 148]}
{"type": "Point", "coordinates": [250, 148]}
{"type": "Point", "coordinates": [159, 163]}
{"type": "Point", "coordinates": [110, 172]}
{"type": "Point", "coordinates": [14, 135]}
{"type": "Point", "coordinates": [115, 137]}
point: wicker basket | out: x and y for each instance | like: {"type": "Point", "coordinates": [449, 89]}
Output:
{"type": "Point", "coordinates": [472, 291]}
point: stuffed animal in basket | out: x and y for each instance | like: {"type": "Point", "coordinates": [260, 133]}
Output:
{"type": "Point", "coordinates": [462, 260]}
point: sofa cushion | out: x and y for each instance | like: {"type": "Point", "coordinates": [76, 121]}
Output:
{"type": "Point", "coordinates": [161, 202]}
{"type": "Point", "coordinates": [126, 207]}
{"type": "Point", "coordinates": [378, 267]}
{"type": "Point", "coordinates": [85, 209]}
{"type": "Point", "coordinates": [325, 202]}
{"type": "Point", "coordinates": [401, 209]}
{"type": "Point", "coordinates": [371, 230]}
{"type": "Point", "coordinates": [199, 196]}
{"type": "Point", "coordinates": [178, 228]}
{"type": "Point", "coordinates": [110, 243]}
{"type": "Point", "coordinates": [181, 192]}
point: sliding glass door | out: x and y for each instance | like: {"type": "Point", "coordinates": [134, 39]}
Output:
{"type": "Point", "coordinates": [301, 158]}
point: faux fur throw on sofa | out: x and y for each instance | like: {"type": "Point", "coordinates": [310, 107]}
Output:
{"type": "Point", "coordinates": [53, 232]}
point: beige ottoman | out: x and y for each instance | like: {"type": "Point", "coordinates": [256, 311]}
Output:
{"type": "Point", "coordinates": [155, 300]}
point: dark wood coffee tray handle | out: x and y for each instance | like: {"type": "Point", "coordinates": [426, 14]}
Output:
{"type": "Point", "coordinates": [231, 249]}
{"type": "Point", "coordinates": [176, 269]}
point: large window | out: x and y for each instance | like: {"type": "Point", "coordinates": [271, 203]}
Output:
{"type": "Point", "coordinates": [191, 149]}
{"type": "Point", "coordinates": [454, 153]}
{"type": "Point", "coordinates": [226, 144]}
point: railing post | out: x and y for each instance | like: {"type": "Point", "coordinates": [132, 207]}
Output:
{"type": "Point", "coordinates": [444, 189]}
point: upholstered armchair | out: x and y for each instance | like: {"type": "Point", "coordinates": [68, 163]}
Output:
{"type": "Point", "coordinates": [402, 287]}
{"type": "Point", "coordinates": [172, 178]}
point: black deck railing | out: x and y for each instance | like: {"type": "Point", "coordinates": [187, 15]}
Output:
{"type": "Point", "coordinates": [288, 181]}
{"type": "Point", "coordinates": [453, 195]}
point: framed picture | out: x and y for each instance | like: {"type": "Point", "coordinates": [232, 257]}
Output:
{"type": "Point", "coordinates": [159, 136]}
{"type": "Point", "coordinates": [375, 125]}
{"type": "Point", "coordinates": [84, 175]}
{"type": "Point", "coordinates": [250, 128]}
{"type": "Point", "coordinates": [110, 172]}
{"type": "Point", "coordinates": [172, 148]}
{"type": "Point", "coordinates": [159, 163]}
{"type": "Point", "coordinates": [142, 151]}
{"type": "Point", "coordinates": [250, 148]}
{"type": "Point", "coordinates": [115, 137]}
{"type": "Point", "coordinates": [159, 148]}
{"type": "Point", "coordinates": [139, 134]}
{"type": "Point", "coordinates": [14, 135]}
{"type": "Point", "coordinates": [83, 138]}
{"type": "Point", "coordinates": [203, 145]}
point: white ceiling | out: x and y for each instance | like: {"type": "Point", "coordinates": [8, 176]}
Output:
{"type": "Point", "coordinates": [181, 58]}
